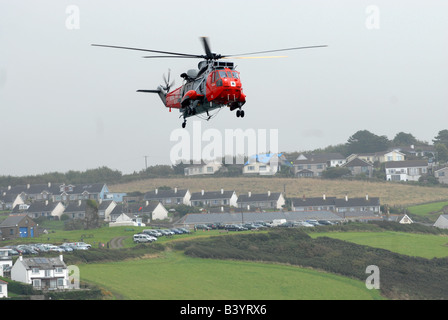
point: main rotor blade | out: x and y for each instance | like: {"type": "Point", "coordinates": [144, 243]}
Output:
{"type": "Point", "coordinates": [149, 50]}
{"type": "Point", "coordinates": [278, 50]}
{"type": "Point", "coordinates": [262, 57]}
{"type": "Point", "coordinates": [208, 52]}
{"type": "Point", "coordinates": [187, 57]}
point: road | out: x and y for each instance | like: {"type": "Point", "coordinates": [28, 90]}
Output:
{"type": "Point", "coordinates": [116, 242]}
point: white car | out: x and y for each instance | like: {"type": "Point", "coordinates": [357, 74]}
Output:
{"type": "Point", "coordinates": [143, 237]}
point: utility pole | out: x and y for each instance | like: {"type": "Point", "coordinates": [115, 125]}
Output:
{"type": "Point", "coordinates": [146, 163]}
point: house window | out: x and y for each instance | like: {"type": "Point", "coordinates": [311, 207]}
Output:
{"type": "Point", "coordinates": [58, 270]}
{"type": "Point", "coordinates": [60, 282]}
{"type": "Point", "coordinates": [35, 270]}
{"type": "Point", "coordinates": [262, 168]}
{"type": "Point", "coordinates": [210, 169]}
{"type": "Point", "coordinates": [36, 283]}
{"type": "Point", "coordinates": [250, 168]}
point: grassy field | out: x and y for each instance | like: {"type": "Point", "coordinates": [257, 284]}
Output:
{"type": "Point", "coordinates": [431, 211]}
{"type": "Point", "coordinates": [393, 194]}
{"type": "Point", "coordinates": [411, 244]}
{"type": "Point", "coordinates": [174, 276]}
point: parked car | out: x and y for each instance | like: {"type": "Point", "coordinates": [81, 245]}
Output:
{"type": "Point", "coordinates": [83, 244]}
{"type": "Point", "coordinates": [250, 226]}
{"type": "Point", "coordinates": [313, 222]}
{"type": "Point", "coordinates": [202, 227]}
{"type": "Point", "coordinates": [66, 248]}
{"type": "Point", "coordinates": [176, 231]}
{"type": "Point", "coordinates": [184, 230]}
{"type": "Point", "coordinates": [143, 238]}
{"type": "Point", "coordinates": [153, 232]}
{"type": "Point", "coordinates": [303, 224]}
{"type": "Point", "coordinates": [325, 222]}
{"type": "Point", "coordinates": [234, 227]}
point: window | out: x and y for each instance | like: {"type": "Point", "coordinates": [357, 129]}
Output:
{"type": "Point", "coordinates": [222, 74]}
{"type": "Point", "coordinates": [235, 74]}
{"type": "Point", "coordinates": [36, 283]}
{"type": "Point", "coordinates": [59, 269]}
{"type": "Point", "coordinates": [35, 270]}
{"type": "Point", "coordinates": [60, 282]}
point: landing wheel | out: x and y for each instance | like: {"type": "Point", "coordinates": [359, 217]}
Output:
{"type": "Point", "coordinates": [238, 113]}
{"type": "Point", "coordinates": [242, 114]}
{"type": "Point", "coordinates": [184, 124]}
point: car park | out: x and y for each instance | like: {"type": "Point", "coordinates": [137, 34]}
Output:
{"type": "Point", "coordinates": [202, 227]}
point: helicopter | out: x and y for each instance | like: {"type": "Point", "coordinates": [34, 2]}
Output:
{"type": "Point", "coordinates": [213, 85]}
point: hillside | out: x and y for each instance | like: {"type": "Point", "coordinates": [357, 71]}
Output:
{"type": "Point", "coordinates": [393, 194]}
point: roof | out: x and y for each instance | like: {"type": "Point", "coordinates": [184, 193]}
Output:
{"type": "Point", "coordinates": [315, 201]}
{"type": "Point", "coordinates": [264, 158]}
{"type": "Point", "coordinates": [273, 196]}
{"type": "Point", "coordinates": [135, 208]}
{"type": "Point", "coordinates": [357, 163]}
{"type": "Point", "coordinates": [211, 195]}
{"type": "Point", "coordinates": [13, 220]}
{"type": "Point", "coordinates": [238, 217]}
{"type": "Point", "coordinates": [76, 207]}
{"type": "Point", "coordinates": [357, 202]}
{"type": "Point", "coordinates": [42, 263]}
{"type": "Point", "coordinates": [161, 194]}
{"type": "Point", "coordinates": [41, 206]}
{"type": "Point", "coordinates": [407, 164]}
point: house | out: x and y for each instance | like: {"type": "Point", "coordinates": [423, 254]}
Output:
{"type": "Point", "coordinates": [442, 175]}
{"type": "Point", "coordinates": [76, 209]}
{"type": "Point", "coordinates": [323, 203]}
{"type": "Point", "coordinates": [400, 218]}
{"type": "Point", "coordinates": [94, 191]}
{"type": "Point", "coordinates": [214, 198]}
{"type": "Point", "coordinates": [37, 209]}
{"type": "Point", "coordinates": [442, 222]}
{"type": "Point", "coordinates": [380, 157]}
{"type": "Point", "coordinates": [358, 166]}
{"type": "Point", "coordinates": [267, 200]}
{"type": "Point", "coordinates": [418, 151]}
{"type": "Point", "coordinates": [309, 168]}
{"type": "Point", "coordinates": [105, 208]}
{"type": "Point", "coordinates": [3, 289]}
{"type": "Point", "coordinates": [408, 170]}
{"type": "Point", "coordinates": [358, 208]}
{"type": "Point", "coordinates": [202, 169]}
{"type": "Point", "coordinates": [8, 200]}
{"type": "Point", "coordinates": [5, 261]}
{"type": "Point", "coordinates": [18, 226]}
{"type": "Point", "coordinates": [264, 164]}
{"type": "Point", "coordinates": [148, 210]}
{"type": "Point", "coordinates": [42, 273]}
{"type": "Point", "coordinates": [169, 197]}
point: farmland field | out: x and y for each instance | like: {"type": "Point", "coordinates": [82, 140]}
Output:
{"type": "Point", "coordinates": [173, 276]}
{"type": "Point", "coordinates": [411, 244]}
{"type": "Point", "coordinates": [393, 194]}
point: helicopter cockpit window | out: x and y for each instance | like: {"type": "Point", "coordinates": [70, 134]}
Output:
{"type": "Point", "coordinates": [235, 74]}
{"type": "Point", "coordinates": [222, 74]}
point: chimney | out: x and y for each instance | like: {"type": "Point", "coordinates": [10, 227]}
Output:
{"type": "Point", "coordinates": [222, 209]}
{"type": "Point", "coordinates": [249, 194]}
{"type": "Point", "coordinates": [147, 203]}
{"type": "Point", "coordinates": [367, 197]}
{"type": "Point", "coordinates": [248, 207]}
{"type": "Point", "coordinates": [303, 198]}
{"type": "Point", "coordinates": [46, 202]}
{"type": "Point", "coordinates": [222, 191]}
{"type": "Point", "coordinates": [9, 187]}
{"type": "Point", "coordinates": [202, 192]}
{"type": "Point", "coordinates": [175, 190]}
{"type": "Point", "coordinates": [156, 191]}
{"type": "Point", "coordinates": [28, 186]}
{"type": "Point", "coordinates": [324, 197]}
{"type": "Point", "coordinates": [61, 257]}
{"type": "Point", "coordinates": [346, 197]}
{"type": "Point", "coordinates": [269, 193]}
{"type": "Point", "coordinates": [49, 184]}
{"type": "Point", "coordinates": [79, 202]}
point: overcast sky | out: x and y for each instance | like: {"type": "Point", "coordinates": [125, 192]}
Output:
{"type": "Point", "coordinates": [65, 105]}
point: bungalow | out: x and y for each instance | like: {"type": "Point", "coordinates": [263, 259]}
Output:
{"type": "Point", "coordinates": [264, 164]}
{"type": "Point", "coordinates": [3, 289]}
{"type": "Point", "coordinates": [410, 170]}
{"type": "Point", "coordinates": [381, 156]}
{"type": "Point", "coordinates": [268, 200]}
{"type": "Point", "coordinates": [152, 210]}
{"type": "Point", "coordinates": [8, 201]}
{"type": "Point", "coordinates": [214, 198]}
{"type": "Point", "coordinates": [126, 219]}
{"type": "Point", "coordinates": [312, 165]}
{"type": "Point", "coordinates": [323, 203]}
{"type": "Point", "coordinates": [42, 273]}
{"type": "Point", "coordinates": [358, 207]}
{"type": "Point", "coordinates": [169, 197]}
{"type": "Point", "coordinates": [18, 226]}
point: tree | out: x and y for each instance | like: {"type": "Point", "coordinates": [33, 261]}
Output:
{"type": "Point", "coordinates": [404, 139]}
{"type": "Point", "coordinates": [91, 219]}
{"type": "Point", "coordinates": [442, 138]}
{"type": "Point", "coordinates": [442, 152]}
{"type": "Point", "coordinates": [364, 141]}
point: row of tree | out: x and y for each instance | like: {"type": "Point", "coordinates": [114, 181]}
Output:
{"type": "Point", "coordinates": [362, 141]}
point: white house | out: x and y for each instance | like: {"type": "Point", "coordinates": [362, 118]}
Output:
{"type": "Point", "coordinates": [201, 169]}
{"type": "Point", "coordinates": [268, 200]}
{"type": "Point", "coordinates": [410, 170]}
{"type": "Point", "coordinates": [5, 261]}
{"type": "Point", "coordinates": [127, 219]}
{"type": "Point", "coordinates": [41, 273]}
{"type": "Point", "coordinates": [3, 289]}
{"type": "Point", "coordinates": [214, 198]}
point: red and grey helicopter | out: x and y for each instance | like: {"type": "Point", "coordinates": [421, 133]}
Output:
{"type": "Point", "coordinates": [214, 84]}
